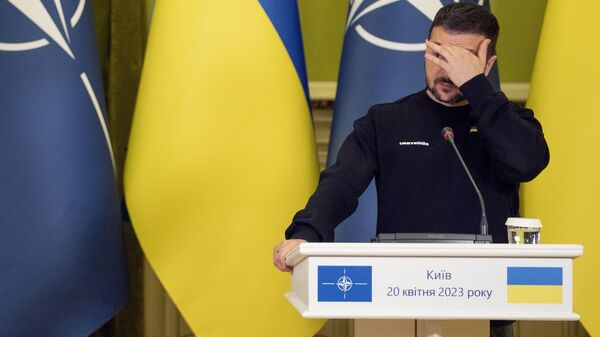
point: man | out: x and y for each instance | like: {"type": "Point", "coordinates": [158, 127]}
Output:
{"type": "Point", "coordinates": [421, 186]}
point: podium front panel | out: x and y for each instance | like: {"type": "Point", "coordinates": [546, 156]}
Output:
{"type": "Point", "coordinates": [431, 287]}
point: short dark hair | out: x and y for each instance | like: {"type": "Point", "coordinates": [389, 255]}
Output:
{"type": "Point", "coordinates": [462, 17]}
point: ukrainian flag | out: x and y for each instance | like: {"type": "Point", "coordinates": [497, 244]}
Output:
{"type": "Point", "coordinates": [565, 196]}
{"type": "Point", "coordinates": [535, 285]}
{"type": "Point", "coordinates": [221, 156]}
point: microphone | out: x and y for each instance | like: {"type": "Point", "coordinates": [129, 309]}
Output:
{"type": "Point", "coordinates": [448, 135]}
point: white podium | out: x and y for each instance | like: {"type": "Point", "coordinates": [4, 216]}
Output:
{"type": "Point", "coordinates": [437, 282]}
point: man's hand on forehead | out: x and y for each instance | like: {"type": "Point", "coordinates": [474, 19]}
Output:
{"type": "Point", "coordinates": [473, 51]}
{"type": "Point", "coordinates": [460, 64]}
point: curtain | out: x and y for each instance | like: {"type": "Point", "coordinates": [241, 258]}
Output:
{"type": "Point", "coordinates": [121, 29]}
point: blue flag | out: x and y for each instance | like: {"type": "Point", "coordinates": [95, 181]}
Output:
{"type": "Point", "coordinates": [62, 265]}
{"type": "Point", "coordinates": [345, 284]}
{"type": "Point", "coordinates": [382, 61]}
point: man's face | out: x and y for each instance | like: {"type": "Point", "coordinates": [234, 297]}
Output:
{"type": "Point", "coordinates": [439, 84]}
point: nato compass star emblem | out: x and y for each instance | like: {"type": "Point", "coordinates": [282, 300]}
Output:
{"type": "Point", "coordinates": [57, 33]}
{"type": "Point", "coordinates": [344, 284]}
{"type": "Point", "coordinates": [428, 7]}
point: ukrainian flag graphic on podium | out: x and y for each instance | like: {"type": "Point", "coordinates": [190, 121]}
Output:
{"type": "Point", "coordinates": [62, 265]}
{"type": "Point", "coordinates": [535, 285]}
{"type": "Point", "coordinates": [221, 156]}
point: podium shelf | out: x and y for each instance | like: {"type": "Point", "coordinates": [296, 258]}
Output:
{"type": "Point", "coordinates": [430, 250]}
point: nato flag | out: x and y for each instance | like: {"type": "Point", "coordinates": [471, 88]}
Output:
{"type": "Point", "coordinates": [62, 266]}
{"type": "Point", "coordinates": [382, 61]}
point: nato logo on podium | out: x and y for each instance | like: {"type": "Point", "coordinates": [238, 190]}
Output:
{"type": "Point", "coordinates": [345, 284]}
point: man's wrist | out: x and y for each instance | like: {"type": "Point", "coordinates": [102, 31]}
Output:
{"type": "Point", "coordinates": [306, 233]}
{"type": "Point", "coordinates": [475, 90]}
{"type": "Point", "coordinates": [466, 79]}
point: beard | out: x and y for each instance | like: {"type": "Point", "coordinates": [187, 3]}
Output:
{"type": "Point", "coordinates": [458, 97]}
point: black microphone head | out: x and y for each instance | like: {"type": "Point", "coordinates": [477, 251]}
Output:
{"type": "Point", "coordinates": [447, 133]}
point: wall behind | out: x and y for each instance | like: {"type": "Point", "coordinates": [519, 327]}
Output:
{"type": "Point", "coordinates": [520, 25]}
{"type": "Point", "coordinates": [323, 24]}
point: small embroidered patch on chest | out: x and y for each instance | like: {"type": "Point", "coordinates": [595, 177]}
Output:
{"type": "Point", "coordinates": [413, 144]}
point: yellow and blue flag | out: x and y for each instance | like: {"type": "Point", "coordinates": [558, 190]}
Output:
{"type": "Point", "coordinates": [565, 196]}
{"type": "Point", "coordinates": [382, 61]}
{"type": "Point", "coordinates": [221, 156]}
{"type": "Point", "coordinates": [534, 285]}
{"type": "Point", "coordinates": [62, 265]}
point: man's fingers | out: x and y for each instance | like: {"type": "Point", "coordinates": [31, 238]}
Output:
{"type": "Point", "coordinates": [436, 47]}
{"type": "Point", "coordinates": [275, 253]}
{"type": "Point", "coordinates": [483, 48]}
{"type": "Point", "coordinates": [440, 52]}
{"type": "Point", "coordinates": [443, 51]}
{"type": "Point", "coordinates": [436, 60]}
{"type": "Point", "coordinates": [281, 251]}
{"type": "Point", "coordinates": [279, 262]}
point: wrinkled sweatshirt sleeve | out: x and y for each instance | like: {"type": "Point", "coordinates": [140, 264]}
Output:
{"type": "Point", "coordinates": [340, 186]}
{"type": "Point", "coordinates": [511, 134]}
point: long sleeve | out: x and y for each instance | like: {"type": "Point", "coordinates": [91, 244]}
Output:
{"type": "Point", "coordinates": [511, 135]}
{"type": "Point", "coordinates": [340, 186]}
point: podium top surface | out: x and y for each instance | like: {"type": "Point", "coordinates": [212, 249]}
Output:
{"type": "Point", "coordinates": [430, 250]}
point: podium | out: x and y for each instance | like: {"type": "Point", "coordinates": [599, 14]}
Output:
{"type": "Point", "coordinates": [438, 289]}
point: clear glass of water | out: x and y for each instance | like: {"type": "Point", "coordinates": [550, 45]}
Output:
{"type": "Point", "coordinates": [523, 230]}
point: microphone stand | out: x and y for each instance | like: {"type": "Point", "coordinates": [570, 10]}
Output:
{"type": "Point", "coordinates": [448, 135]}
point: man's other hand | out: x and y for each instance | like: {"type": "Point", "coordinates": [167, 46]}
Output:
{"type": "Point", "coordinates": [281, 251]}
